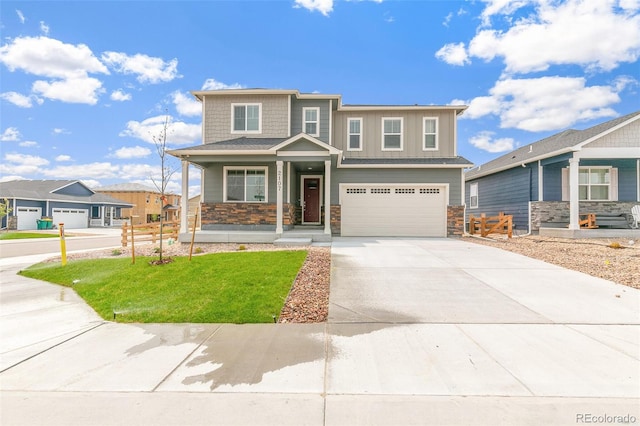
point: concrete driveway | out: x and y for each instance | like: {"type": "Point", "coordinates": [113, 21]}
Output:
{"type": "Point", "coordinates": [421, 331]}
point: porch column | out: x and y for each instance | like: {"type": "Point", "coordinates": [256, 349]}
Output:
{"type": "Point", "coordinates": [279, 228]}
{"type": "Point", "coordinates": [102, 212]}
{"type": "Point", "coordinates": [112, 215]}
{"type": "Point", "coordinates": [574, 198]}
{"type": "Point", "coordinates": [184, 201]}
{"type": "Point", "coordinates": [327, 197]}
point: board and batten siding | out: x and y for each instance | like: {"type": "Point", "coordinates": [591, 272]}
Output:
{"type": "Point", "coordinates": [412, 133]}
{"type": "Point", "coordinates": [509, 191]}
{"type": "Point", "coordinates": [217, 116]}
{"type": "Point", "coordinates": [371, 176]}
{"type": "Point", "coordinates": [297, 106]}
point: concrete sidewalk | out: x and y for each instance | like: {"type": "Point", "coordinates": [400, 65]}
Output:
{"type": "Point", "coordinates": [421, 331]}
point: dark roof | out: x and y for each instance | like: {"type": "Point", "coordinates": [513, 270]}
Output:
{"type": "Point", "coordinates": [546, 147]}
{"type": "Point", "coordinates": [240, 144]}
{"type": "Point", "coordinates": [400, 161]}
{"type": "Point", "coordinates": [44, 190]}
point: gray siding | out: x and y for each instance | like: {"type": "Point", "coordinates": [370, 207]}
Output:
{"type": "Point", "coordinates": [628, 136]}
{"type": "Point", "coordinates": [627, 176]}
{"type": "Point", "coordinates": [214, 181]}
{"type": "Point", "coordinates": [412, 133]}
{"type": "Point", "coordinates": [325, 116]}
{"type": "Point", "coordinates": [76, 190]}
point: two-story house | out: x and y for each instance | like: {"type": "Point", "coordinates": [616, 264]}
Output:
{"type": "Point", "coordinates": [275, 159]}
{"type": "Point", "coordinates": [147, 202]}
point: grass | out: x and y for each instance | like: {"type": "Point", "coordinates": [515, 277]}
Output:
{"type": "Point", "coordinates": [25, 235]}
{"type": "Point", "coordinates": [238, 287]}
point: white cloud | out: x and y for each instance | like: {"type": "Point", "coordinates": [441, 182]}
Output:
{"type": "Point", "coordinates": [44, 28]}
{"type": "Point", "coordinates": [486, 142]}
{"type": "Point", "coordinates": [139, 171]}
{"type": "Point", "coordinates": [10, 178]}
{"type": "Point", "coordinates": [28, 144]}
{"type": "Point", "coordinates": [590, 33]}
{"type": "Point", "coordinates": [148, 69]}
{"type": "Point", "coordinates": [178, 133]}
{"type": "Point", "coordinates": [47, 57]}
{"type": "Point", "coordinates": [545, 103]}
{"type": "Point", "coordinates": [501, 7]}
{"type": "Point", "coordinates": [22, 164]}
{"type": "Point", "coordinates": [81, 90]}
{"type": "Point", "coordinates": [60, 131]}
{"type": "Point", "coordinates": [20, 100]}
{"type": "Point", "coordinates": [21, 16]}
{"type": "Point", "coordinates": [323, 6]}
{"type": "Point", "coordinates": [120, 95]}
{"type": "Point", "coordinates": [213, 84]}
{"type": "Point", "coordinates": [91, 183]}
{"type": "Point", "coordinates": [82, 171]}
{"type": "Point", "coordinates": [131, 152]}
{"type": "Point", "coordinates": [453, 54]}
{"type": "Point", "coordinates": [10, 134]}
{"type": "Point", "coordinates": [186, 104]}
{"type": "Point", "coordinates": [62, 157]}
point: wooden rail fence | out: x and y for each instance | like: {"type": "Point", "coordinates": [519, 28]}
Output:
{"type": "Point", "coordinates": [149, 231]}
{"type": "Point", "coordinates": [501, 224]}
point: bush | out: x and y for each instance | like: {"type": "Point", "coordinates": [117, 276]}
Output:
{"type": "Point", "coordinates": [116, 252]}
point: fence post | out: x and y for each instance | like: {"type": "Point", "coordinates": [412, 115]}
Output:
{"type": "Point", "coordinates": [124, 234]}
{"type": "Point", "coordinates": [483, 225]}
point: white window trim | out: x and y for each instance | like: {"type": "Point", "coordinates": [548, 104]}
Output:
{"type": "Point", "coordinates": [349, 134]}
{"type": "Point", "coordinates": [225, 169]}
{"type": "Point", "coordinates": [424, 133]}
{"type": "Point", "coordinates": [401, 133]}
{"type": "Point", "coordinates": [304, 120]}
{"type": "Point", "coordinates": [246, 132]}
{"type": "Point", "coordinates": [609, 185]}
{"type": "Point", "coordinates": [473, 186]}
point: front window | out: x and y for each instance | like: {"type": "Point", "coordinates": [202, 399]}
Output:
{"type": "Point", "coordinates": [473, 195]}
{"type": "Point", "coordinates": [594, 184]}
{"type": "Point", "coordinates": [392, 134]}
{"type": "Point", "coordinates": [95, 212]}
{"type": "Point", "coordinates": [246, 184]}
{"type": "Point", "coordinates": [246, 118]}
{"type": "Point", "coordinates": [430, 126]}
{"type": "Point", "coordinates": [311, 121]}
{"type": "Point", "coordinates": [354, 136]}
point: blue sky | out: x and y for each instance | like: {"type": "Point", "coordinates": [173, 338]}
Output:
{"type": "Point", "coordinates": [84, 85]}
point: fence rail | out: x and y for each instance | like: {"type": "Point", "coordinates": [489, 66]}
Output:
{"type": "Point", "coordinates": [149, 231]}
{"type": "Point", "coordinates": [501, 224]}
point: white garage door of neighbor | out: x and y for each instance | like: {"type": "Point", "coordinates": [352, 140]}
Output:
{"type": "Point", "coordinates": [72, 218]}
{"type": "Point", "coordinates": [28, 217]}
{"type": "Point", "coordinates": [387, 210]}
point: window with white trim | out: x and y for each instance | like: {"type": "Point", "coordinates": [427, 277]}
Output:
{"type": "Point", "coordinates": [245, 184]}
{"type": "Point", "coordinates": [95, 212]}
{"type": "Point", "coordinates": [311, 121]}
{"type": "Point", "coordinates": [473, 195]}
{"type": "Point", "coordinates": [392, 134]}
{"type": "Point", "coordinates": [594, 183]}
{"type": "Point", "coordinates": [246, 118]}
{"type": "Point", "coordinates": [430, 132]}
{"type": "Point", "coordinates": [354, 134]}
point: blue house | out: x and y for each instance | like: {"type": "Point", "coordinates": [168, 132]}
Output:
{"type": "Point", "coordinates": [557, 181]}
{"type": "Point", "coordinates": [63, 201]}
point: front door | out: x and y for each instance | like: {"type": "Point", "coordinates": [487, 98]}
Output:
{"type": "Point", "coordinates": [311, 197]}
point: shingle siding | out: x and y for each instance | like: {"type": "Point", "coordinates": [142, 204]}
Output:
{"type": "Point", "coordinates": [626, 137]}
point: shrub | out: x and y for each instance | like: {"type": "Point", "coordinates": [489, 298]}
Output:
{"type": "Point", "coordinates": [116, 252]}
{"type": "Point", "coordinates": [615, 245]}
{"type": "Point", "coordinates": [242, 247]}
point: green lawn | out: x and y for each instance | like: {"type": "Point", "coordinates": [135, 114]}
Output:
{"type": "Point", "coordinates": [239, 287]}
{"type": "Point", "coordinates": [25, 235]}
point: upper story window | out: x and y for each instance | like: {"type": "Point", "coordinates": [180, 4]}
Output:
{"type": "Point", "coordinates": [430, 130]}
{"type": "Point", "coordinates": [594, 184]}
{"type": "Point", "coordinates": [246, 118]}
{"type": "Point", "coordinates": [354, 134]}
{"type": "Point", "coordinates": [245, 184]}
{"type": "Point", "coordinates": [311, 121]}
{"type": "Point", "coordinates": [392, 134]}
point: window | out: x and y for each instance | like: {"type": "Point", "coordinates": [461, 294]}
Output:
{"type": "Point", "coordinates": [473, 195]}
{"type": "Point", "coordinates": [311, 119]}
{"type": "Point", "coordinates": [246, 118]}
{"type": "Point", "coordinates": [95, 212]}
{"type": "Point", "coordinates": [594, 184]}
{"type": "Point", "coordinates": [354, 134]}
{"type": "Point", "coordinates": [392, 134]}
{"type": "Point", "coordinates": [430, 130]}
{"type": "Point", "coordinates": [245, 184]}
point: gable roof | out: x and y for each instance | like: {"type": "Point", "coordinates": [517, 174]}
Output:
{"type": "Point", "coordinates": [560, 143]}
{"type": "Point", "coordinates": [45, 190]}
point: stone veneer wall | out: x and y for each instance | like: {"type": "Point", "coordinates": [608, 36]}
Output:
{"type": "Point", "coordinates": [336, 214]}
{"type": "Point", "coordinates": [245, 214]}
{"type": "Point", "coordinates": [558, 211]}
{"type": "Point", "coordinates": [455, 221]}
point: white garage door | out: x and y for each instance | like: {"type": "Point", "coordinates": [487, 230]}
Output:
{"type": "Point", "coordinates": [400, 210]}
{"type": "Point", "coordinates": [28, 217]}
{"type": "Point", "coordinates": [72, 218]}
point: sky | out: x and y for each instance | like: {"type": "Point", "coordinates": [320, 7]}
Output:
{"type": "Point", "coordinates": [86, 85]}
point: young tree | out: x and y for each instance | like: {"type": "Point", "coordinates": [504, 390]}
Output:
{"type": "Point", "coordinates": [4, 209]}
{"type": "Point", "coordinates": [166, 170]}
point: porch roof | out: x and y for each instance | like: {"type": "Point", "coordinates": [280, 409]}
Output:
{"type": "Point", "coordinates": [458, 162]}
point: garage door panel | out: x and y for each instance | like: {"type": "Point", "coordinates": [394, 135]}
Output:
{"type": "Point", "coordinates": [393, 210]}
{"type": "Point", "coordinates": [28, 217]}
{"type": "Point", "coordinates": [72, 218]}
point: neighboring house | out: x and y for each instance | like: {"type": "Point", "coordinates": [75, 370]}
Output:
{"type": "Point", "coordinates": [63, 201]}
{"type": "Point", "coordinates": [275, 159]}
{"type": "Point", "coordinates": [551, 182]}
{"type": "Point", "coordinates": [146, 201]}
{"type": "Point", "coordinates": [194, 207]}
